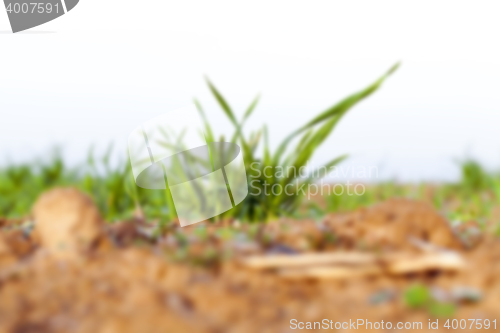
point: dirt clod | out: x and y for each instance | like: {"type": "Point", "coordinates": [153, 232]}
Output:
{"type": "Point", "coordinates": [67, 221]}
{"type": "Point", "coordinates": [392, 224]}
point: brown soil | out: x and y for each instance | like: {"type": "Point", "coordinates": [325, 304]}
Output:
{"type": "Point", "coordinates": [190, 283]}
{"type": "Point", "coordinates": [393, 225]}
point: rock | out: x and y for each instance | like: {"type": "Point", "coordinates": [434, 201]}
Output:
{"type": "Point", "coordinates": [67, 221]}
{"type": "Point", "coordinates": [466, 294]}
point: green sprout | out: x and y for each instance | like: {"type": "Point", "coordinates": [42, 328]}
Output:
{"type": "Point", "coordinates": [260, 205]}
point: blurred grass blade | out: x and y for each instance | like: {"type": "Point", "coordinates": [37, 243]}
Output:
{"type": "Point", "coordinates": [337, 110]}
{"type": "Point", "coordinates": [209, 135]}
{"type": "Point", "coordinates": [247, 114]}
{"type": "Point", "coordinates": [230, 114]}
{"type": "Point", "coordinates": [222, 102]}
{"type": "Point", "coordinates": [250, 109]}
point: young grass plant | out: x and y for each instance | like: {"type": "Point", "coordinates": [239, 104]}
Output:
{"type": "Point", "coordinates": [260, 205]}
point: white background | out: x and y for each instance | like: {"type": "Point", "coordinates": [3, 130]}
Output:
{"type": "Point", "coordinates": [107, 66]}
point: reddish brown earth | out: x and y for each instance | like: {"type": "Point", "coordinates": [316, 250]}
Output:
{"type": "Point", "coordinates": [121, 280]}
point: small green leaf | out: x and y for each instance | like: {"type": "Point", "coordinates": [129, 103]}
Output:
{"type": "Point", "coordinates": [437, 309]}
{"type": "Point", "coordinates": [417, 296]}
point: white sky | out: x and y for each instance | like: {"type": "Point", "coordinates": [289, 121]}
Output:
{"type": "Point", "coordinates": [108, 66]}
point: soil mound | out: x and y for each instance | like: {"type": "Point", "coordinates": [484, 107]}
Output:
{"type": "Point", "coordinates": [394, 225]}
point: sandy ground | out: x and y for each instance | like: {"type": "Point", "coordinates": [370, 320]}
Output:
{"type": "Point", "coordinates": [96, 278]}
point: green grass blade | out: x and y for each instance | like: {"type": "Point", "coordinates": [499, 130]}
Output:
{"type": "Point", "coordinates": [222, 102]}
{"type": "Point", "coordinates": [336, 110]}
{"type": "Point", "coordinates": [209, 134]}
